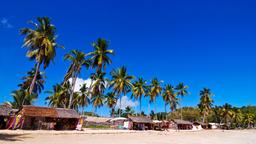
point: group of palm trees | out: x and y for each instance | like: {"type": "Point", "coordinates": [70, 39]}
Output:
{"type": "Point", "coordinates": [41, 44]}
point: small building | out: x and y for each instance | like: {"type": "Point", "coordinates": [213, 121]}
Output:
{"type": "Point", "coordinates": [5, 112]}
{"type": "Point", "coordinates": [91, 121]}
{"type": "Point", "coordinates": [158, 125]}
{"type": "Point", "coordinates": [182, 124]}
{"type": "Point", "coordinates": [202, 125]}
{"type": "Point", "coordinates": [140, 123]}
{"type": "Point", "coordinates": [35, 118]}
{"type": "Point", "coordinates": [118, 122]}
{"type": "Point", "coordinates": [214, 125]}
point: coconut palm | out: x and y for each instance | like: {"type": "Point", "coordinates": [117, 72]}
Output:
{"type": "Point", "coordinates": [20, 98]}
{"type": "Point", "coordinates": [98, 101]}
{"type": "Point", "coordinates": [249, 120]}
{"type": "Point", "coordinates": [121, 83]}
{"type": "Point", "coordinates": [238, 118]}
{"type": "Point", "coordinates": [84, 99]}
{"type": "Point", "coordinates": [169, 97]}
{"type": "Point", "coordinates": [139, 89]}
{"type": "Point", "coordinates": [78, 61]}
{"type": "Point", "coordinates": [99, 83]}
{"type": "Point", "coordinates": [226, 113]}
{"type": "Point", "coordinates": [100, 56]}
{"type": "Point", "coordinates": [41, 44]}
{"type": "Point", "coordinates": [154, 90]}
{"type": "Point", "coordinates": [205, 102]}
{"type": "Point", "coordinates": [111, 101]}
{"type": "Point", "coordinates": [181, 91]}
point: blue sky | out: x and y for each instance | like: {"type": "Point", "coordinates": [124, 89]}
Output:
{"type": "Point", "coordinates": [201, 43]}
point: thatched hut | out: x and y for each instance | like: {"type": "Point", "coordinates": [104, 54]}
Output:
{"type": "Point", "coordinates": [203, 125]}
{"type": "Point", "coordinates": [92, 121]}
{"type": "Point", "coordinates": [35, 118]}
{"type": "Point", "coordinates": [182, 124]}
{"type": "Point", "coordinates": [5, 113]}
{"type": "Point", "coordinates": [140, 123]}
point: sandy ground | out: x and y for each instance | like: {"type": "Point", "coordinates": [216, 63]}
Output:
{"type": "Point", "coordinates": [128, 137]}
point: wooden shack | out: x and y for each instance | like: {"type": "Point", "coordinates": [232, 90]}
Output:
{"type": "Point", "coordinates": [140, 123]}
{"type": "Point", "coordinates": [36, 118]}
{"type": "Point", "coordinates": [182, 124]}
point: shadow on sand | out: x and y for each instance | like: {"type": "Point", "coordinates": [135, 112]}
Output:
{"type": "Point", "coordinates": [12, 137]}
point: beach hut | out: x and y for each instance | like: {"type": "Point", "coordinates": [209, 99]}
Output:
{"type": "Point", "coordinates": [118, 122]}
{"type": "Point", "coordinates": [5, 113]}
{"type": "Point", "coordinates": [35, 117]}
{"type": "Point", "coordinates": [202, 125]}
{"type": "Point", "coordinates": [158, 125]}
{"type": "Point", "coordinates": [140, 123]}
{"type": "Point", "coordinates": [182, 124]}
{"type": "Point", "coordinates": [92, 121]}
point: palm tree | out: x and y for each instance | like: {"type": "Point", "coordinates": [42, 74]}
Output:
{"type": "Point", "coordinates": [99, 83]}
{"type": "Point", "coordinates": [238, 118]}
{"type": "Point", "coordinates": [121, 83]}
{"type": "Point", "coordinates": [111, 101]}
{"type": "Point", "coordinates": [41, 44]}
{"type": "Point", "coordinates": [84, 99]}
{"type": "Point", "coordinates": [98, 101]}
{"type": "Point", "coordinates": [21, 98]}
{"type": "Point", "coordinates": [205, 102]}
{"type": "Point", "coordinates": [181, 91]}
{"type": "Point", "coordinates": [169, 97]}
{"type": "Point", "coordinates": [78, 60]}
{"type": "Point", "coordinates": [100, 56]}
{"type": "Point", "coordinates": [226, 113]}
{"type": "Point", "coordinates": [249, 120]}
{"type": "Point", "coordinates": [139, 89]}
{"type": "Point", "coordinates": [155, 90]}
{"type": "Point", "coordinates": [39, 81]}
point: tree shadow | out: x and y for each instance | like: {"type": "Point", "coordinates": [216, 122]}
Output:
{"type": "Point", "coordinates": [12, 137]}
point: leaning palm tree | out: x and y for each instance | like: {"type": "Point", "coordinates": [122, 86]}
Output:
{"type": "Point", "coordinates": [78, 61]}
{"type": "Point", "coordinates": [139, 89]}
{"type": "Point", "coordinates": [100, 56]}
{"type": "Point", "coordinates": [84, 99]}
{"type": "Point", "coordinates": [121, 83]}
{"type": "Point", "coordinates": [205, 102]}
{"type": "Point", "coordinates": [169, 96]}
{"type": "Point", "coordinates": [154, 91]}
{"type": "Point", "coordinates": [41, 44]}
{"type": "Point", "coordinates": [181, 91]}
{"type": "Point", "coordinates": [111, 101]}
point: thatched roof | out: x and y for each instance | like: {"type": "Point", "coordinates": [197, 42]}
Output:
{"type": "Point", "coordinates": [36, 111]}
{"type": "Point", "coordinates": [140, 119]}
{"type": "Point", "coordinates": [5, 111]}
{"type": "Point", "coordinates": [96, 119]}
{"type": "Point", "coordinates": [179, 121]}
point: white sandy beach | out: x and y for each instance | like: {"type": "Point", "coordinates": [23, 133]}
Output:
{"type": "Point", "coordinates": [128, 137]}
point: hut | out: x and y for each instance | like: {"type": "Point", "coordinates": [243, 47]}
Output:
{"type": "Point", "coordinates": [5, 113]}
{"type": "Point", "coordinates": [158, 125]}
{"type": "Point", "coordinates": [140, 123]}
{"type": "Point", "coordinates": [91, 121]}
{"type": "Point", "coordinates": [202, 125]}
{"type": "Point", "coordinates": [36, 118]}
{"type": "Point", "coordinates": [118, 122]}
{"type": "Point", "coordinates": [182, 124]}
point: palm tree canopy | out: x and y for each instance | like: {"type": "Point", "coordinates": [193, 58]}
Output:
{"type": "Point", "coordinates": [111, 99]}
{"type": "Point", "coordinates": [139, 88]}
{"type": "Point", "coordinates": [121, 81]}
{"type": "Point", "coordinates": [78, 60]}
{"type": "Point", "coordinates": [181, 89]}
{"type": "Point", "coordinates": [205, 100]}
{"type": "Point", "coordinates": [40, 41]}
{"type": "Point", "coordinates": [84, 99]}
{"type": "Point", "coordinates": [100, 56]}
{"type": "Point", "coordinates": [155, 89]}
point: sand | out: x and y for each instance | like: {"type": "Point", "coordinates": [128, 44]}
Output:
{"type": "Point", "coordinates": [128, 137]}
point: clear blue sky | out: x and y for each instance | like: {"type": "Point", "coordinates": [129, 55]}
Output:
{"type": "Point", "coordinates": [201, 43]}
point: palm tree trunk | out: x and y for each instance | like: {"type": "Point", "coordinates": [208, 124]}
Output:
{"type": "Point", "coordinates": [34, 79]}
{"type": "Point", "coordinates": [72, 91]}
{"type": "Point", "coordinates": [120, 105]}
{"type": "Point", "coordinates": [180, 109]}
{"type": "Point", "coordinates": [204, 117]}
{"type": "Point", "coordinates": [165, 110]}
{"type": "Point", "coordinates": [140, 105]}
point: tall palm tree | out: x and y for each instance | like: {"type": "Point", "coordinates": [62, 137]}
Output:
{"type": "Point", "coordinates": [99, 83]}
{"type": "Point", "coordinates": [205, 102]}
{"type": "Point", "coordinates": [169, 96]}
{"type": "Point", "coordinates": [181, 91]}
{"type": "Point", "coordinates": [111, 101]}
{"type": "Point", "coordinates": [100, 56]}
{"type": "Point", "coordinates": [84, 99]}
{"type": "Point", "coordinates": [20, 98]}
{"type": "Point", "coordinates": [78, 60]}
{"type": "Point", "coordinates": [226, 113]}
{"type": "Point", "coordinates": [249, 120]}
{"type": "Point", "coordinates": [41, 44]}
{"type": "Point", "coordinates": [139, 89]}
{"type": "Point", "coordinates": [121, 83]}
{"type": "Point", "coordinates": [155, 90]}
